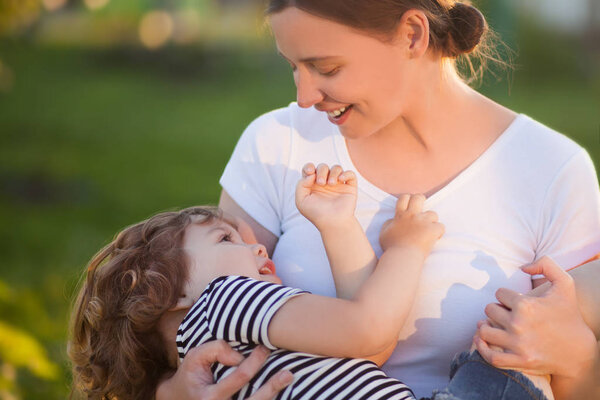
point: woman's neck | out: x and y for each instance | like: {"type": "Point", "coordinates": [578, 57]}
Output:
{"type": "Point", "coordinates": [444, 127]}
{"type": "Point", "coordinates": [431, 118]}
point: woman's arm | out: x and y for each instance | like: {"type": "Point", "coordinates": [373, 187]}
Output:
{"type": "Point", "coordinates": [587, 283]}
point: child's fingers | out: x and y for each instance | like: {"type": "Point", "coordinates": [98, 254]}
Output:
{"type": "Point", "coordinates": [348, 177]}
{"type": "Point", "coordinates": [441, 229]}
{"type": "Point", "coordinates": [308, 169]}
{"type": "Point", "coordinates": [307, 181]}
{"type": "Point", "coordinates": [322, 174]}
{"type": "Point", "coordinates": [415, 204]}
{"type": "Point", "coordinates": [402, 203]}
{"type": "Point", "coordinates": [334, 174]}
{"type": "Point", "coordinates": [431, 216]}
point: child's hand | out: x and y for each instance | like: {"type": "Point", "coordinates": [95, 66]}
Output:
{"type": "Point", "coordinates": [411, 226]}
{"type": "Point", "coordinates": [326, 196]}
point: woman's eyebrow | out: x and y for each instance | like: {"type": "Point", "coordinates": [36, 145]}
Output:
{"type": "Point", "coordinates": [311, 59]}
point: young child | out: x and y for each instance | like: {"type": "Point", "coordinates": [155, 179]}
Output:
{"type": "Point", "coordinates": [195, 258]}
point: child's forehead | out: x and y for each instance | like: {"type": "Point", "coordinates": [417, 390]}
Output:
{"type": "Point", "coordinates": [213, 224]}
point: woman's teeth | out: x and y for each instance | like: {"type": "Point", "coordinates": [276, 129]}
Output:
{"type": "Point", "coordinates": [336, 113]}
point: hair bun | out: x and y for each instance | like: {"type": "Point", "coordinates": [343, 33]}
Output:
{"type": "Point", "coordinates": [467, 26]}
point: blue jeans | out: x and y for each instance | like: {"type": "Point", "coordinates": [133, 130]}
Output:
{"type": "Point", "coordinates": [472, 378]}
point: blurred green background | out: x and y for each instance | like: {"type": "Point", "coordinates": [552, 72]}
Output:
{"type": "Point", "coordinates": [113, 110]}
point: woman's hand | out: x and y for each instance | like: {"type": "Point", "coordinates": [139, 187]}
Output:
{"type": "Point", "coordinates": [194, 380]}
{"type": "Point", "coordinates": [539, 335]}
{"type": "Point", "coordinates": [326, 196]}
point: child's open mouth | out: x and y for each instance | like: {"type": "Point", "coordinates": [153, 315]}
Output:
{"type": "Point", "coordinates": [268, 268]}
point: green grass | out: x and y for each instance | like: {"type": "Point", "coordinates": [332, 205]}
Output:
{"type": "Point", "coordinates": [93, 140]}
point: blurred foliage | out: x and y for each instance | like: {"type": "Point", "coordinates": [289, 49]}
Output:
{"type": "Point", "coordinates": [17, 15]}
{"type": "Point", "coordinates": [97, 132]}
{"type": "Point", "coordinates": [18, 349]}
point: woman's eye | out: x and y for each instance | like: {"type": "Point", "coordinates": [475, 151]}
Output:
{"type": "Point", "coordinates": [329, 72]}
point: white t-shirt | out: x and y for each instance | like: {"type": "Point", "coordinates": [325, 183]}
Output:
{"type": "Point", "coordinates": [534, 192]}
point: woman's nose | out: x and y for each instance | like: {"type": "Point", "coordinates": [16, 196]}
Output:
{"type": "Point", "coordinates": [307, 93]}
{"type": "Point", "coordinates": [259, 250]}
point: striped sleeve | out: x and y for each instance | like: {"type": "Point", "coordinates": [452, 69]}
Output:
{"type": "Point", "coordinates": [240, 309]}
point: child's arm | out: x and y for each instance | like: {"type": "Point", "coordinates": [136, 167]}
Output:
{"type": "Point", "coordinates": [370, 322]}
{"type": "Point", "coordinates": [327, 198]}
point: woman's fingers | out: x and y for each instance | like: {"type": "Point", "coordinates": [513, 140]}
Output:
{"type": "Point", "coordinates": [245, 371]}
{"type": "Point", "coordinates": [498, 314]}
{"type": "Point", "coordinates": [209, 353]}
{"type": "Point", "coordinates": [273, 386]}
{"type": "Point", "coordinates": [494, 336]}
{"type": "Point", "coordinates": [193, 379]}
{"type": "Point", "coordinates": [497, 358]}
{"type": "Point", "coordinates": [547, 267]}
{"type": "Point", "coordinates": [509, 298]}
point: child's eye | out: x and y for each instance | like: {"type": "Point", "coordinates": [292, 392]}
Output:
{"type": "Point", "coordinates": [225, 238]}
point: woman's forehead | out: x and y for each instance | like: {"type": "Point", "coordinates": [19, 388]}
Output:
{"type": "Point", "coordinates": [303, 37]}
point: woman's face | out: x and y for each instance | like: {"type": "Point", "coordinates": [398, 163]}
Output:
{"type": "Point", "coordinates": [361, 82]}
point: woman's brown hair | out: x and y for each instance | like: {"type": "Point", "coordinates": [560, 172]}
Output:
{"type": "Point", "coordinates": [115, 347]}
{"type": "Point", "coordinates": [457, 30]}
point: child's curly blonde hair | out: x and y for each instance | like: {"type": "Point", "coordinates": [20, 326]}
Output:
{"type": "Point", "coordinates": [115, 347]}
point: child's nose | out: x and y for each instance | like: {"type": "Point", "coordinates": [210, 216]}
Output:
{"type": "Point", "coordinates": [259, 250]}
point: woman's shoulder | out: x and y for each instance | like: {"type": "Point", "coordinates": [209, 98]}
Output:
{"type": "Point", "coordinates": [542, 147]}
{"type": "Point", "coordinates": [543, 141]}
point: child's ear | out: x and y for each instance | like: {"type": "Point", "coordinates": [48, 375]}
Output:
{"type": "Point", "coordinates": [184, 303]}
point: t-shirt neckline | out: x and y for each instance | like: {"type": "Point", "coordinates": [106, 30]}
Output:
{"type": "Point", "coordinates": [386, 198]}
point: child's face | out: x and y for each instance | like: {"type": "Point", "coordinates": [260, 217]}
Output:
{"type": "Point", "coordinates": [217, 249]}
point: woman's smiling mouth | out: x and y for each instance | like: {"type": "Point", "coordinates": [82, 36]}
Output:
{"type": "Point", "coordinates": [339, 116]}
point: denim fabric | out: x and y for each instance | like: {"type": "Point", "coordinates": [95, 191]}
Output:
{"type": "Point", "coordinates": [472, 378]}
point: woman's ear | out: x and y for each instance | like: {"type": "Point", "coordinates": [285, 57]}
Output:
{"type": "Point", "coordinates": [184, 303]}
{"type": "Point", "coordinates": [413, 33]}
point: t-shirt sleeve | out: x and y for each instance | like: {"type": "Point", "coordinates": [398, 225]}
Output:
{"type": "Point", "coordinates": [254, 176]}
{"type": "Point", "coordinates": [570, 217]}
{"type": "Point", "coordinates": [240, 309]}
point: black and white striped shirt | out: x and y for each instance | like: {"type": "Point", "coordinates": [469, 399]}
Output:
{"type": "Point", "coordinates": [239, 309]}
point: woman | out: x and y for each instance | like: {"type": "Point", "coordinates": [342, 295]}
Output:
{"type": "Point", "coordinates": [377, 93]}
